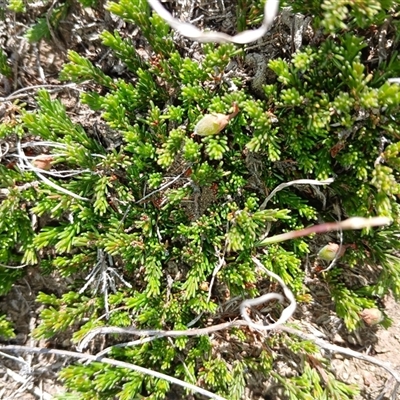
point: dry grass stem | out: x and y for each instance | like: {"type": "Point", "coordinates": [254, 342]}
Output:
{"type": "Point", "coordinates": [190, 31]}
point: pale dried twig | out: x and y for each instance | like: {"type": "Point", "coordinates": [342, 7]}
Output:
{"type": "Point", "coordinates": [217, 268]}
{"type": "Point", "coordinates": [348, 224]}
{"type": "Point", "coordinates": [351, 223]}
{"type": "Point", "coordinates": [25, 165]}
{"type": "Point", "coordinates": [104, 274]}
{"type": "Point", "coordinates": [190, 31]}
{"type": "Point", "coordinates": [292, 183]}
{"type": "Point", "coordinates": [20, 92]}
{"type": "Point", "coordinates": [6, 149]}
{"type": "Point", "coordinates": [286, 314]}
{"type": "Point", "coordinates": [17, 359]}
{"type": "Point", "coordinates": [116, 363]}
{"type": "Point", "coordinates": [13, 266]}
{"type": "Point", "coordinates": [342, 350]}
{"type": "Point", "coordinates": [312, 182]}
{"type": "Point", "coordinates": [127, 344]}
{"type": "Point", "coordinates": [28, 384]}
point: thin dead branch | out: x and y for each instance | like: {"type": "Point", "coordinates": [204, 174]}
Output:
{"type": "Point", "coordinates": [110, 361]}
{"type": "Point", "coordinates": [342, 350]}
{"type": "Point", "coordinates": [246, 321]}
{"type": "Point", "coordinates": [190, 31]}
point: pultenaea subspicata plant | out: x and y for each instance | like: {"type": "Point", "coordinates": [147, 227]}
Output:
{"type": "Point", "coordinates": [155, 215]}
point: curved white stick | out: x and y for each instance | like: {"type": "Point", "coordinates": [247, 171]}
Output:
{"type": "Point", "coordinates": [286, 313]}
{"type": "Point", "coordinates": [190, 31]}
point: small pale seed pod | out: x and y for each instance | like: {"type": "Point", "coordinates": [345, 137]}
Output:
{"type": "Point", "coordinates": [331, 251]}
{"type": "Point", "coordinates": [43, 161]}
{"type": "Point", "coordinates": [211, 124]}
{"type": "Point", "coordinates": [372, 316]}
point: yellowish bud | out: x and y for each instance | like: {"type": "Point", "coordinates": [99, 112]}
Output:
{"type": "Point", "coordinates": [211, 124]}
{"type": "Point", "coordinates": [330, 251]}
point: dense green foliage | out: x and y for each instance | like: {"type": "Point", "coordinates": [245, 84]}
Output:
{"type": "Point", "coordinates": [6, 329]}
{"type": "Point", "coordinates": [326, 114]}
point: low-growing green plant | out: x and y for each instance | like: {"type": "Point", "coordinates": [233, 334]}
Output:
{"type": "Point", "coordinates": [151, 221]}
{"type": "Point", "coordinates": [5, 68]}
{"type": "Point", "coordinates": [335, 16]}
{"type": "Point", "coordinates": [6, 329]}
{"type": "Point", "coordinates": [45, 24]}
{"type": "Point", "coordinates": [17, 6]}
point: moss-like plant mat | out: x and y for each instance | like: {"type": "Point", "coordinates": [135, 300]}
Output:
{"type": "Point", "coordinates": [152, 210]}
